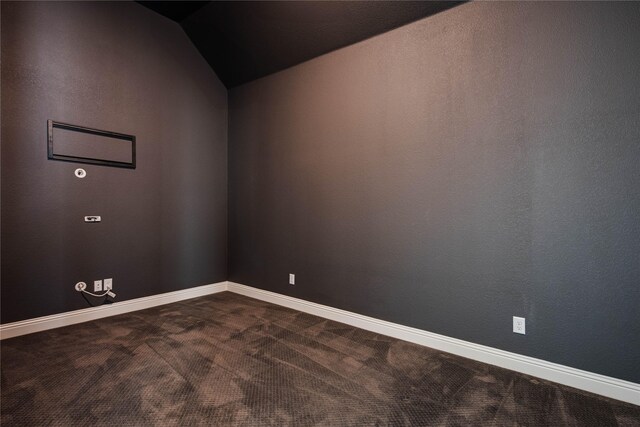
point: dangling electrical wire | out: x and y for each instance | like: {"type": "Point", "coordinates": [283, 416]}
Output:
{"type": "Point", "coordinates": [82, 288]}
{"type": "Point", "coordinates": [84, 291]}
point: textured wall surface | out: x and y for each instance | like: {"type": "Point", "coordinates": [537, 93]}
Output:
{"type": "Point", "coordinates": [245, 40]}
{"type": "Point", "coordinates": [475, 165]}
{"type": "Point", "coordinates": [119, 67]}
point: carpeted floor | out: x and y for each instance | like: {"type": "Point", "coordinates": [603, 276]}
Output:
{"type": "Point", "coordinates": [226, 359]}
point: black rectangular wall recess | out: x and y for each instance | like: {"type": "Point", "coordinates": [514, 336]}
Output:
{"type": "Point", "coordinates": [93, 146]}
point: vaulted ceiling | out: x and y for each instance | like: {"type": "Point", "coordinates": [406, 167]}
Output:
{"type": "Point", "coordinates": [246, 40]}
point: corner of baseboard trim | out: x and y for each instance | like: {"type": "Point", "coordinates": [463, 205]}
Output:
{"type": "Point", "coordinates": [614, 388]}
{"type": "Point", "coordinates": [39, 324]}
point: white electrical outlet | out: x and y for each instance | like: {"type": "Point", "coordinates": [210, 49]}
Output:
{"type": "Point", "coordinates": [292, 279]}
{"type": "Point", "coordinates": [518, 325]}
{"type": "Point", "coordinates": [108, 284]}
{"type": "Point", "coordinates": [97, 286]}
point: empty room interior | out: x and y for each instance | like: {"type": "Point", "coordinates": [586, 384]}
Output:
{"type": "Point", "coordinates": [335, 213]}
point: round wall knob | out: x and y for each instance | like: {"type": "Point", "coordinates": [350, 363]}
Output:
{"type": "Point", "coordinates": [81, 173]}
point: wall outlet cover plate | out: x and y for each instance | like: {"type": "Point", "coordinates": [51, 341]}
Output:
{"type": "Point", "coordinates": [518, 325]}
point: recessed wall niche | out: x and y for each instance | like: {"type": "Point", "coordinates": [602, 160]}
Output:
{"type": "Point", "coordinates": [79, 144]}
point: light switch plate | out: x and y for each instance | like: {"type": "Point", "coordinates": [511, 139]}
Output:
{"type": "Point", "coordinates": [97, 286]}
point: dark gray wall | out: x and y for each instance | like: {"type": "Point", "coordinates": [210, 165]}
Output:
{"type": "Point", "coordinates": [244, 40]}
{"type": "Point", "coordinates": [120, 67]}
{"type": "Point", "coordinates": [475, 165]}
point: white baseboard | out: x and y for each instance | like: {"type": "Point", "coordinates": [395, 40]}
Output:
{"type": "Point", "coordinates": [44, 323]}
{"type": "Point", "coordinates": [595, 383]}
